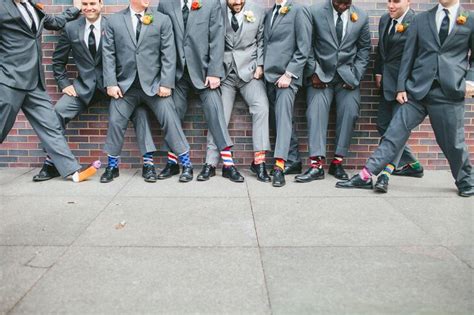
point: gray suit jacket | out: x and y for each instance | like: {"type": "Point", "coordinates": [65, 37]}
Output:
{"type": "Point", "coordinates": [153, 56]}
{"type": "Point", "coordinates": [350, 58]}
{"type": "Point", "coordinates": [244, 49]}
{"type": "Point", "coordinates": [20, 49]}
{"type": "Point", "coordinates": [201, 46]}
{"type": "Point", "coordinates": [287, 43]}
{"type": "Point", "coordinates": [424, 58]}
{"type": "Point", "coordinates": [90, 75]}
{"type": "Point", "coordinates": [387, 62]}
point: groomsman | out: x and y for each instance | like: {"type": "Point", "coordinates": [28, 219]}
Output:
{"type": "Point", "coordinates": [22, 84]}
{"type": "Point", "coordinates": [339, 58]}
{"type": "Point", "coordinates": [392, 36]}
{"type": "Point", "coordinates": [139, 58]}
{"type": "Point", "coordinates": [83, 38]}
{"type": "Point", "coordinates": [287, 39]}
{"type": "Point", "coordinates": [435, 75]}
{"type": "Point", "coordinates": [199, 35]}
{"type": "Point", "coordinates": [243, 63]}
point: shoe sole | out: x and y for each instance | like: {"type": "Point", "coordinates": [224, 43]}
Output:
{"type": "Point", "coordinates": [108, 181]}
{"type": "Point", "coordinates": [278, 185]}
{"type": "Point", "coordinates": [43, 179]}
{"type": "Point", "coordinates": [356, 187]}
{"type": "Point", "coordinates": [150, 180]}
{"type": "Point", "coordinates": [204, 179]}
{"type": "Point", "coordinates": [308, 180]}
{"type": "Point", "coordinates": [380, 189]}
{"type": "Point", "coordinates": [233, 180]}
{"type": "Point", "coordinates": [420, 175]}
{"type": "Point", "coordinates": [166, 177]}
{"type": "Point", "coordinates": [185, 180]}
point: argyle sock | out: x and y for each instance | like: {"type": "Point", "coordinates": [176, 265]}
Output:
{"type": "Point", "coordinates": [280, 163]}
{"type": "Point", "coordinates": [185, 159]}
{"type": "Point", "coordinates": [316, 161]}
{"type": "Point", "coordinates": [365, 174]}
{"type": "Point", "coordinates": [337, 159]}
{"type": "Point", "coordinates": [226, 156]}
{"type": "Point", "coordinates": [148, 158]}
{"type": "Point", "coordinates": [172, 158]}
{"type": "Point", "coordinates": [259, 157]}
{"type": "Point", "coordinates": [112, 161]}
{"type": "Point", "coordinates": [388, 170]}
{"type": "Point", "coordinates": [48, 161]}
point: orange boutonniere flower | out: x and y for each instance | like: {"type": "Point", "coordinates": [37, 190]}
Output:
{"type": "Point", "coordinates": [147, 19]}
{"type": "Point", "coordinates": [462, 18]}
{"type": "Point", "coordinates": [196, 5]}
{"type": "Point", "coordinates": [354, 17]}
{"type": "Point", "coordinates": [284, 10]}
{"type": "Point", "coordinates": [39, 6]}
{"type": "Point", "coordinates": [400, 28]}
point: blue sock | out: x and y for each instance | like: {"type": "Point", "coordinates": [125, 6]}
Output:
{"type": "Point", "coordinates": [185, 159]}
{"type": "Point", "coordinates": [148, 158]}
{"type": "Point", "coordinates": [113, 161]}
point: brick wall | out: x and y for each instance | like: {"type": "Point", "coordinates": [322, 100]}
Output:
{"type": "Point", "coordinates": [86, 134]}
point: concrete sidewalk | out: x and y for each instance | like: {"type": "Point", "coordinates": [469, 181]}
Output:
{"type": "Point", "coordinates": [225, 248]}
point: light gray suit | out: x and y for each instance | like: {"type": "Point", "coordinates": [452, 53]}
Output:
{"type": "Point", "coordinates": [89, 84]}
{"type": "Point", "coordinates": [200, 50]}
{"type": "Point", "coordinates": [22, 83]}
{"type": "Point", "coordinates": [139, 68]}
{"type": "Point", "coordinates": [434, 76]}
{"type": "Point", "coordinates": [336, 64]}
{"type": "Point", "coordinates": [286, 47]}
{"type": "Point", "coordinates": [243, 54]}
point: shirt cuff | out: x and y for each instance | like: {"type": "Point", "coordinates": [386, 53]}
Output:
{"type": "Point", "coordinates": [289, 74]}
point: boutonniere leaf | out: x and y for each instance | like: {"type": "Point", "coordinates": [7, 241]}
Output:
{"type": "Point", "coordinates": [196, 5]}
{"type": "Point", "coordinates": [462, 18]}
{"type": "Point", "coordinates": [354, 17]}
{"type": "Point", "coordinates": [147, 19]}
{"type": "Point", "coordinates": [249, 16]}
{"type": "Point", "coordinates": [284, 10]}
{"type": "Point", "coordinates": [402, 27]}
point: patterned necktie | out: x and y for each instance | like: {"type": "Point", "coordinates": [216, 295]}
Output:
{"type": "Point", "coordinates": [339, 27]}
{"type": "Point", "coordinates": [34, 29]}
{"type": "Point", "coordinates": [139, 26]}
{"type": "Point", "coordinates": [275, 15]}
{"type": "Point", "coordinates": [444, 29]}
{"type": "Point", "coordinates": [91, 41]}
{"type": "Point", "coordinates": [234, 22]}
{"type": "Point", "coordinates": [185, 12]}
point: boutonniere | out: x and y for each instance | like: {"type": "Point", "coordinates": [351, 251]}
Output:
{"type": "Point", "coordinates": [196, 5]}
{"type": "Point", "coordinates": [147, 19]}
{"type": "Point", "coordinates": [401, 27]}
{"type": "Point", "coordinates": [39, 6]}
{"type": "Point", "coordinates": [249, 16]}
{"type": "Point", "coordinates": [284, 10]}
{"type": "Point", "coordinates": [462, 18]}
{"type": "Point", "coordinates": [354, 17]}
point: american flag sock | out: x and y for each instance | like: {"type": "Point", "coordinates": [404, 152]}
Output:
{"type": "Point", "coordinates": [316, 161]}
{"type": "Point", "coordinates": [172, 158]}
{"type": "Point", "coordinates": [148, 158]}
{"type": "Point", "coordinates": [337, 159]}
{"type": "Point", "coordinates": [226, 156]}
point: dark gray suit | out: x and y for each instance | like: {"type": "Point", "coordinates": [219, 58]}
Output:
{"type": "Point", "coordinates": [336, 64]}
{"type": "Point", "coordinates": [139, 68]}
{"type": "Point", "coordinates": [22, 83]}
{"type": "Point", "coordinates": [434, 77]}
{"type": "Point", "coordinates": [200, 53]}
{"type": "Point", "coordinates": [286, 47]}
{"type": "Point", "coordinates": [89, 84]}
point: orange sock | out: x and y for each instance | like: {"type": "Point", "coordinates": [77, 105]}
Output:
{"type": "Point", "coordinates": [280, 163]}
{"type": "Point", "coordinates": [88, 172]}
{"type": "Point", "coordinates": [259, 157]}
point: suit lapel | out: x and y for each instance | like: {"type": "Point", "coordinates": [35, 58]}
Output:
{"type": "Point", "coordinates": [455, 27]}
{"type": "Point", "coordinates": [432, 23]}
{"type": "Point", "coordinates": [102, 32]}
{"type": "Point", "coordinates": [350, 26]}
{"type": "Point", "coordinates": [280, 17]}
{"type": "Point", "coordinates": [143, 32]}
{"type": "Point", "coordinates": [15, 13]}
{"type": "Point", "coordinates": [330, 19]}
{"type": "Point", "coordinates": [128, 23]}
{"type": "Point", "coordinates": [178, 14]}
{"type": "Point", "coordinates": [383, 26]}
{"type": "Point", "coordinates": [268, 23]}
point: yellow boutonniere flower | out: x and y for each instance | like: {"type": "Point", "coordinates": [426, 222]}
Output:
{"type": "Point", "coordinates": [462, 18]}
{"type": "Point", "coordinates": [249, 16]}
{"type": "Point", "coordinates": [284, 10]}
{"type": "Point", "coordinates": [196, 5]}
{"type": "Point", "coordinates": [147, 19]}
{"type": "Point", "coordinates": [354, 17]}
{"type": "Point", "coordinates": [39, 6]}
{"type": "Point", "coordinates": [400, 28]}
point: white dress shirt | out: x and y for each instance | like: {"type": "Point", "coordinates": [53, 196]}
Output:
{"type": "Point", "coordinates": [452, 16]}
{"type": "Point", "coordinates": [283, 3]}
{"type": "Point", "coordinates": [239, 16]}
{"type": "Point", "coordinates": [189, 4]}
{"type": "Point", "coordinates": [25, 15]}
{"type": "Point", "coordinates": [344, 18]}
{"type": "Point", "coordinates": [135, 19]}
{"type": "Point", "coordinates": [96, 32]}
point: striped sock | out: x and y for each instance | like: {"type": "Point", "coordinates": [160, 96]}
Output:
{"type": "Point", "coordinates": [280, 163]}
{"type": "Point", "coordinates": [337, 159]}
{"type": "Point", "coordinates": [316, 161]}
{"type": "Point", "coordinates": [365, 174]}
{"type": "Point", "coordinates": [388, 170]}
{"type": "Point", "coordinates": [226, 156]}
{"type": "Point", "coordinates": [259, 157]}
{"type": "Point", "coordinates": [48, 161]}
{"type": "Point", "coordinates": [172, 158]}
{"type": "Point", "coordinates": [185, 159]}
{"type": "Point", "coordinates": [415, 165]}
{"type": "Point", "coordinates": [113, 161]}
{"type": "Point", "coordinates": [148, 158]}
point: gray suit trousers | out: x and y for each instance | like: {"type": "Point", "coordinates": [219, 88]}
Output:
{"type": "Point", "coordinates": [386, 111]}
{"type": "Point", "coordinates": [38, 109]}
{"type": "Point", "coordinates": [319, 105]}
{"type": "Point", "coordinates": [447, 120]}
{"type": "Point", "coordinates": [120, 111]}
{"type": "Point", "coordinates": [254, 95]}
{"type": "Point", "coordinates": [69, 107]}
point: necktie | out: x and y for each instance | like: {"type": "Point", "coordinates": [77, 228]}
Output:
{"type": "Point", "coordinates": [234, 22]}
{"type": "Point", "coordinates": [275, 14]}
{"type": "Point", "coordinates": [185, 12]}
{"type": "Point", "coordinates": [91, 41]}
{"type": "Point", "coordinates": [339, 27]}
{"type": "Point", "coordinates": [388, 41]}
{"type": "Point", "coordinates": [139, 26]}
{"type": "Point", "coordinates": [34, 29]}
{"type": "Point", "coordinates": [444, 30]}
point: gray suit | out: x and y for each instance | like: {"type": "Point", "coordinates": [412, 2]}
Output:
{"type": "Point", "coordinates": [243, 54]}
{"type": "Point", "coordinates": [387, 64]}
{"type": "Point", "coordinates": [139, 68]}
{"type": "Point", "coordinates": [434, 77]}
{"type": "Point", "coordinates": [287, 45]}
{"type": "Point", "coordinates": [89, 84]}
{"type": "Point", "coordinates": [336, 64]}
{"type": "Point", "coordinates": [200, 50]}
{"type": "Point", "coordinates": [22, 83]}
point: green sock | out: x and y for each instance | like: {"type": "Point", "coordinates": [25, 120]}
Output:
{"type": "Point", "coordinates": [415, 165]}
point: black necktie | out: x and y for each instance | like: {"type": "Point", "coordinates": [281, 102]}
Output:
{"type": "Point", "coordinates": [339, 27]}
{"type": "Point", "coordinates": [388, 40]}
{"type": "Point", "coordinates": [234, 22]}
{"type": "Point", "coordinates": [444, 29]}
{"type": "Point", "coordinates": [275, 15]}
{"type": "Point", "coordinates": [185, 13]}
{"type": "Point", "coordinates": [139, 25]}
{"type": "Point", "coordinates": [91, 41]}
{"type": "Point", "coordinates": [34, 29]}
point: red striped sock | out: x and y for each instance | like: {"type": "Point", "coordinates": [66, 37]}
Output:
{"type": "Point", "coordinates": [259, 157]}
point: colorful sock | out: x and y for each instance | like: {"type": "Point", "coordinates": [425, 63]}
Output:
{"type": "Point", "coordinates": [280, 163]}
{"type": "Point", "coordinates": [48, 161]}
{"type": "Point", "coordinates": [415, 165]}
{"type": "Point", "coordinates": [337, 159]}
{"type": "Point", "coordinates": [365, 174]}
{"type": "Point", "coordinates": [88, 172]}
{"type": "Point", "coordinates": [259, 157]}
{"type": "Point", "coordinates": [113, 161]}
{"type": "Point", "coordinates": [185, 159]}
{"type": "Point", "coordinates": [388, 169]}
{"type": "Point", "coordinates": [172, 158]}
{"type": "Point", "coordinates": [316, 161]}
{"type": "Point", "coordinates": [148, 158]}
{"type": "Point", "coordinates": [226, 156]}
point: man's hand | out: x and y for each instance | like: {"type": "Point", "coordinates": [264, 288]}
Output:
{"type": "Point", "coordinates": [283, 82]}
{"type": "Point", "coordinates": [317, 83]}
{"type": "Point", "coordinates": [258, 73]}
{"type": "Point", "coordinates": [70, 91]}
{"type": "Point", "coordinates": [164, 92]}
{"type": "Point", "coordinates": [378, 81]}
{"type": "Point", "coordinates": [347, 86]}
{"type": "Point", "coordinates": [212, 82]}
{"type": "Point", "coordinates": [114, 92]}
{"type": "Point", "coordinates": [402, 97]}
{"type": "Point", "coordinates": [77, 4]}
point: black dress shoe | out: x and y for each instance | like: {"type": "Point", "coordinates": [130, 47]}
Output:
{"type": "Point", "coordinates": [260, 170]}
{"type": "Point", "coordinates": [207, 172]}
{"type": "Point", "coordinates": [109, 174]}
{"type": "Point", "coordinates": [186, 174]}
{"type": "Point", "coordinates": [355, 182]}
{"type": "Point", "coordinates": [313, 173]}
{"type": "Point", "coordinates": [382, 184]}
{"type": "Point", "coordinates": [291, 168]}
{"type": "Point", "coordinates": [149, 173]}
{"type": "Point", "coordinates": [169, 170]}
{"type": "Point", "coordinates": [232, 173]}
{"type": "Point", "coordinates": [278, 178]}
{"type": "Point", "coordinates": [47, 172]}
{"type": "Point", "coordinates": [407, 170]}
{"type": "Point", "coordinates": [466, 192]}
{"type": "Point", "coordinates": [338, 171]}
